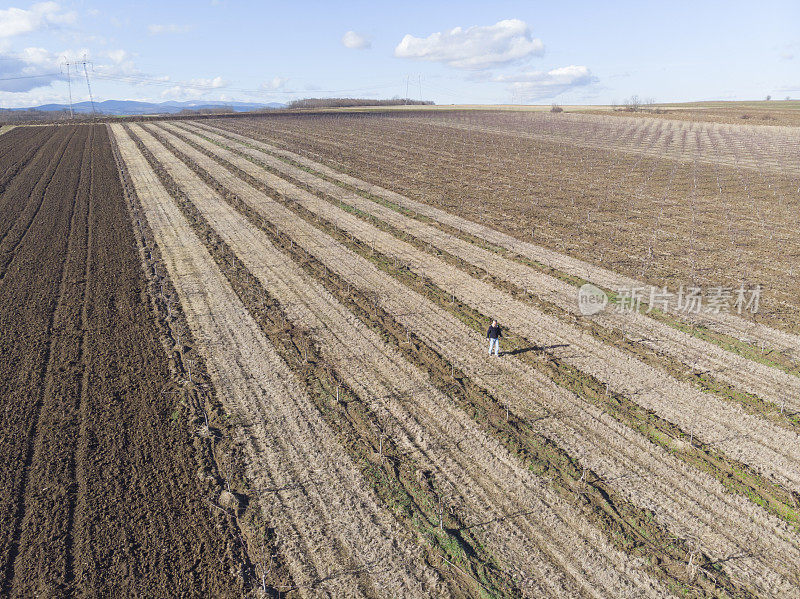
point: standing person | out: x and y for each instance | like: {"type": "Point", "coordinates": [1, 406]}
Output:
{"type": "Point", "coordinates": [493, 335]}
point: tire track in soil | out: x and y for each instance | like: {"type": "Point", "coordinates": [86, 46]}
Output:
{"type": "Point", "coordinates": [768, 449]}
{"type": "Point", "coordinates": [29, 497]}
{"type": "Point", "coordinates": [744, 330]}
{"type": "Point", "coordinates": [767, 383]}
{"type": "Point", "coordinates": [430, 425]}
{"type": "Point", "coordinates": [282, 427]}
{"type": "Point", "coordinates": [80, 449]}
{"type": "Point", "coordinates": [686, 501]}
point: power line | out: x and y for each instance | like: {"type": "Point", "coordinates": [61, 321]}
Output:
{"type": "Point", "coordinates": [142, 80]}
{"type": "Point", "coordinates": [43, 75]}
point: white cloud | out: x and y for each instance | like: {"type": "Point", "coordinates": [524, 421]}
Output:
{"type": "Point", "coordinates": [30, 68]}
{"type": "Point", "coordinates": [540, 85]}
{"type": "Point", "coordinates": [35, 98]}
{"type": "Point", "coordinates": [121, 65]}
{"type": "Point", "coordinates": [475, 47]}
{"type": "Point", "coordinates": [194, 88]}
{"type": "Point", "coordinates": [214, 83]}
{"type": "Point", "coordinates": [18, 21]}
{"type": "Point", "coordinates": [157, 29]}
{"type": "Point", "coordinates": [275, 83]}
{"type": "Point", "coordinates": [117, 56]}
{"type": "Point", "coordinates": [177, 92]}
{"type": "Point", "coordinates": [356, 41]}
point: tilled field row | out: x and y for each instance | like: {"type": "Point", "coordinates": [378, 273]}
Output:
{"type": "Point", "coordinates": [18, 149]}
{"type": "Point", "coordinates": [32, 181]}
{"type": "Point", "coordinates": [329, 527]}
{"type": "Point", "coordinates": [684, 499]}
{"type": "Point", "coordinates": [726, 323]}
{"type": "Point", "coordinates": [27, 509]}
{"type": "Point", "coordinates": [767, 383]}
{"type": "Point", "coordinates": [487, 483]}
{"type": "Point", "coordinates": [744, 437]}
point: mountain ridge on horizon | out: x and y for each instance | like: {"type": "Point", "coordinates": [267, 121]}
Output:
{"type": "Point", "coordinates": [135, 107]}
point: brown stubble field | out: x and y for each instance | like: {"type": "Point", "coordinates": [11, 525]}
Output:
{"type": "Point", "coordinates": [767, 113]}
{"type": "Point", "coordinates": [286, 239]}
{"type": "Point", "coordinates": [666, 202]}
{"type": "Point", "coordinates": [99, 488]}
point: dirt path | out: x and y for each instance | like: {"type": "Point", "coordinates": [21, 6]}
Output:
{"type": "Point", "coordinates": [767, 448]}
{"type": "Point", "coordinates": [487, 483]}
{"type": "Point", "coordinates": [335, 537]}
{"type": "Point", "coordinates": [767, 383]}
{"type": "Point", "coordinates": [725, 323]}
{"type": "Point", "coordinates": [688, 502]}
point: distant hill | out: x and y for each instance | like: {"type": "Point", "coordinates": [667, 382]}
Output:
{"type": "Point", "coordinates": [130, 107]}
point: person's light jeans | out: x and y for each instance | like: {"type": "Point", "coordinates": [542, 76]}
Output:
{"type": "Point", "coordinates": [494, 344]}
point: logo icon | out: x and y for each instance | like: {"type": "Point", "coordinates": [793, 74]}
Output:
{"type": "Point", "coordinates": [591, 299]}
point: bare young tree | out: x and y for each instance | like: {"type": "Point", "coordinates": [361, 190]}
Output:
{"type": "Point", "coordinates": [633, 104]}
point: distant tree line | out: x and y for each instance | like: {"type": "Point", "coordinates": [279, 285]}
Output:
{"type": "Point", "coordinates": [39, 116]}
{"type": "Point", "coordinates": [61, 116]}
{"type": "Point", "coordinates": [214, 110]}
{"type": "Point", "coordinates": [349, 102]}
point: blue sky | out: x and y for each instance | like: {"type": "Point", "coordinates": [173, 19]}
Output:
{"type": "Point", "coordinates": [457, 52]}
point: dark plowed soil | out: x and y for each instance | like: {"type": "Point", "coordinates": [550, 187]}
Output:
{"type": "Point", "coordinates": [99, 492]}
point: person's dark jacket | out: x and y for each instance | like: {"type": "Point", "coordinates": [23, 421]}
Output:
{"type": "Point", "coordinates": [494, 332]}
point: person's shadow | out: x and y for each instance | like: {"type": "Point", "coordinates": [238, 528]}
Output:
{"type": "Point", "coordinates": [522, 350]}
